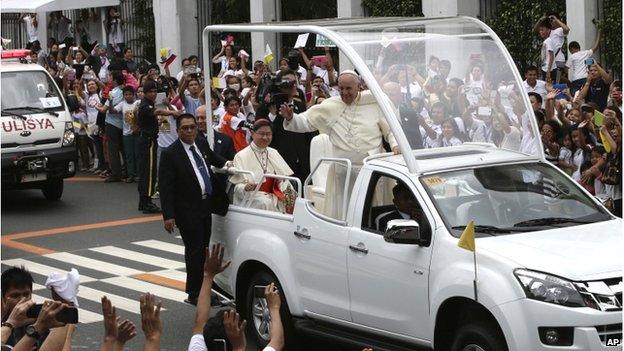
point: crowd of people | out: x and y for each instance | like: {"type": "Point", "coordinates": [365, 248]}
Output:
{"type": "Point", "coordinates": [50, 329]}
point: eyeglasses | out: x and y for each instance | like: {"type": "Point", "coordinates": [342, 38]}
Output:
{"type": "Point", "coordinates": [188, 128]}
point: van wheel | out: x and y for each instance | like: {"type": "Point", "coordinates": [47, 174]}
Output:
{"type": "Point", "coordinates": [479, 337]}
{"type": "Point", "coordinates": [255, 311]}
{"type": "Point", "coordinates": [53, 189]}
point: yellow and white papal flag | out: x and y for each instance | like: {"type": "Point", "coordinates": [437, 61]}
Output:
{"type": "Point", "coordinates": [268, 54]}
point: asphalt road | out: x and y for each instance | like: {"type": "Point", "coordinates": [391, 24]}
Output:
{"type": "Point", "coordinates": [118, 251]}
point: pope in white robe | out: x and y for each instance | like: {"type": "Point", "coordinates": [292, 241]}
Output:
{"type": "Point", "coordinates": [356, 128]}
{"type": "Point", "coordinates": [260, 159]}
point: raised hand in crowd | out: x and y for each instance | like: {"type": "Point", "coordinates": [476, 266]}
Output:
{"type": "Point", "coordinates": [235, 330]}
{"type": "Point", "coordinates": [110, 325]}
{"type": "Point", "coordinates": [150, 321]}
{"type": "Point", "coordinates": [126, 330]}
{"type": "Point", "coordinates": [213, 265]}
{"type": "Point", "coordinates": [274, 303]}
{"type": "Point", "coordinates": [45, 321]}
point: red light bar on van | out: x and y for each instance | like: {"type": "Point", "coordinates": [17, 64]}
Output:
{"type": "Point", "coordinates": [7, 54]}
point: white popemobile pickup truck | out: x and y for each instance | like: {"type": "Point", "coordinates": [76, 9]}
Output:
{"type": "Point", "coordinates": [548, 254]}
{"type": "Point", "coordinates": [38, 146]}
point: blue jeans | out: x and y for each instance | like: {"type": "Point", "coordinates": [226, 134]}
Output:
{"type": "Point", "coordinates": [130, 143]}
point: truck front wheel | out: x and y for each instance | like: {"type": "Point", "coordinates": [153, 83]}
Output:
{"type": "Point", "coordinates": [479, 337]}
{"type": "Point", "coordinates": [255, 311]}
{"type": "Point", "coordinates": [53, 189]}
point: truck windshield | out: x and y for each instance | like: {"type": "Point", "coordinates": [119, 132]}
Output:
{"type": "Point", "coordinates": [29, 90]}
{"type": "Point", "coordinates": [451, 81]}
{"type": "Point", "coordinates": [510, 199]}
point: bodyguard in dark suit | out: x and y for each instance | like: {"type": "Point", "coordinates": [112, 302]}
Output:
{"type": "Point", "coordinates": [189, 194]}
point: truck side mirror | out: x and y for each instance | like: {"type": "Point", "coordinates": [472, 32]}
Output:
{"type": "Point", "coordinates": [403, 231]}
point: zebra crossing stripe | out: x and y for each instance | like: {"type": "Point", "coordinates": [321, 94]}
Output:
{"type": "Point", "coordinates": [93, 264]}
{"type": "Point", "coordinates": [119, 302]}
{"type": "Point", "coordinates": [144, 286]}
{"type": "Point", "coordinates": [84, 316]}
{"type": "Point", "coordinates": [42, 269]}
{"type": "Point", "coordinates": [162, 246]}
{"type": "Point", "coordinates": [138, 257]}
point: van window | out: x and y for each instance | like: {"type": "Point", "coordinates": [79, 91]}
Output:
{"type": "Point", "coordinates": [29, 89]}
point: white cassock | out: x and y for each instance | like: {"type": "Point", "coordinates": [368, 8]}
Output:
{"type": "Point", "coordinates": [355, 132]}
{"type": "Point", "coordinates": [259, 161]}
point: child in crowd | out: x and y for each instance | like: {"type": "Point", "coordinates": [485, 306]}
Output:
{"type": "Point", "coordinates": [128, 107]}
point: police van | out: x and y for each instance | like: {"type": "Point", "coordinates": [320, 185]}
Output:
{"type": "Point", "coordinates": [38, 142]}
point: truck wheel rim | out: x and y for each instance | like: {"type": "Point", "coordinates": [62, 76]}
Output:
{"type": "Point", "coordinates": [473, 347]}
{"type": "Point", "coordinates": [261, 318]}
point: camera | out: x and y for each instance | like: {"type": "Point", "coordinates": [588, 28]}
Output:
{"type": "Point", "coordinates": [589, 61]}
{"type": "Point", "coordinates": [277, 88]}
{"type": "Point", "coordinates": [164, 86]}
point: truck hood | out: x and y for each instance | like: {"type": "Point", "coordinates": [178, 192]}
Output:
{"type": "Point", "coordinates": [583, 252]}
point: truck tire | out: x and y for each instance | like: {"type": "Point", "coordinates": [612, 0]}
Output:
{"type": "Point", "coordinates": [479, 337]}
{"type": "Point", "coordinates": [256, 322]}
{"type": "Point", "coordinates": [53, 189]}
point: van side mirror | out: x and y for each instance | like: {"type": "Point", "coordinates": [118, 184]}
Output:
{"type": "Point", "coordinates": [403, 231]}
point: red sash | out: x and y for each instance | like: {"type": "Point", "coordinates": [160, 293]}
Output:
{"type": "Point", "coordinates": [272, 186]}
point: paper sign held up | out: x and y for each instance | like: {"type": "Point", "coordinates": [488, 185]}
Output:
{"type": "Point", "coordinates": [302, 39]}
{"type": "Point", "coordinates": [323, 42]}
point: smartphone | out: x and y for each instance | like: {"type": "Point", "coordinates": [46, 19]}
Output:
{"type": "Point", "coordinates": [218, 344]}
{"type": "Point", "coordinates": [259, 290]}
{"type": "Point", "coordinates": [68, 315]}
{"type": "Point", "coordinates": [484, 111]}
{"type": "Point", "coordinates": [62, 46]}
{"type": "Point", "coordinates": [589, 61]}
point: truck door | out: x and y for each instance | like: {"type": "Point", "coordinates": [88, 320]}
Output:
{"type": "Point", "coordinates": [388, 282]}
{"type": "Point", "coordinates": [320, 250]}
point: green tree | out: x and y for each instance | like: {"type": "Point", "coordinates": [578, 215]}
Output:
{"type": "Point", "coordinates": [611, 26]}
{"type": "Point", "coordinates": [382, 8]}
{"type": "Point", "coordinates": [143, 20]}
{"type": "Point", "coordinates": [513, 22]}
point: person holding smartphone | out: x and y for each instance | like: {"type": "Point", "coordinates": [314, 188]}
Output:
{"type": "Point", "coordinates": [596, 89]}
{"type": "Point", "coordinates": [578, 62]}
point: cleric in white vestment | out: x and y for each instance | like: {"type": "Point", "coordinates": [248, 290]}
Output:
{"type": "Point", "coordinates": [273, 194]}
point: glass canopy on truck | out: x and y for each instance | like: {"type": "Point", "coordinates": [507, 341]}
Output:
{"type": "Point", "coordinates": [453, 76]}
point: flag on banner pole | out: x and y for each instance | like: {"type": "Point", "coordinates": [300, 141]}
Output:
{"type": "Point", "coordinates": [166, 57]}
{"type": "Point", "coordinates": [268, 54]}
{"type": "Point", "coordinates": [467, 242]}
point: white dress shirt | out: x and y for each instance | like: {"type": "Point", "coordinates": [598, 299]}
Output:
{"type": "Point", "coordinates": [189, 153]}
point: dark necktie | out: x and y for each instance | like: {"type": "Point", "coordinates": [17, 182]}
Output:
{"type": "Point", "coordinates": [202, 170]}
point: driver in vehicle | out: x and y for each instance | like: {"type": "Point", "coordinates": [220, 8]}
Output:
{"type": "Point", "coordinates": [406, 208]}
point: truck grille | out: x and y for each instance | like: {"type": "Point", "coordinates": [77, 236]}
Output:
{"type": "Point", "coordinates": [37, 142]}
{"type": "Point", "coordinates": [609, 333]}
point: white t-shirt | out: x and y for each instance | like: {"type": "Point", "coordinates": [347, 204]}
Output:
{"type": "Point", "coordinates": [547, 46]}
{"type": "Point", "coordinates": [540, 88]}
{"type": "Point", "coordinates": [231, 72]}
{"type": "Point", "coordinates": [576, 64]}
{"type": "Point", "coordinates": [557, 38]}
{"type": "Point", "coordinates": [199, 344]}
{"type": "Point", "coordinates": [91, 101]}
{"type": "Point", "coordinates": [415, 91]}
{"type": "Point", "coordinates": [319, 72]}
{"type": "Point", "coordinates": [31, 29]}
{"type": "Point", "coordinates": [129, 111]}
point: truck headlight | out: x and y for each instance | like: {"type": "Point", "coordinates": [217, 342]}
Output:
{"type": "Point", "coordinates": [549, 288]}
{"type": "Point", "coordinates": [68, 136]}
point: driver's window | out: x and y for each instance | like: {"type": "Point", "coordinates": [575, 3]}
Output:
{"type": "Point", "coordinates": [388, 198]}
